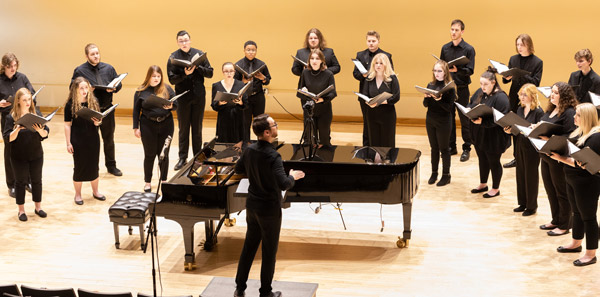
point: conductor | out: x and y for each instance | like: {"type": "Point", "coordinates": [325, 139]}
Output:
{"type": "Point", "coordinates": [264, 168]}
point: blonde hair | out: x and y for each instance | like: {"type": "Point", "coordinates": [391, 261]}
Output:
{"type": "Point", "coordinates": [444, 65]}
{"type": "Point", "coordinates": [588, 122]}
{"type": "Point", "coordinates": [75, 99]}
{"type": "Point", "coordinates": [16, 108]}
{"type": "Point", "coordinates": [387, 73]}
{"type": "Point", "coordinates": [532, 93]}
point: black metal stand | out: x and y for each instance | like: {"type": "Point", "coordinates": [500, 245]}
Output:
{"type": "Point", "coordinates": [309, 138]}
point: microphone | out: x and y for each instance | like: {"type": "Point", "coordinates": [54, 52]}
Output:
{"type": "Point", "coordinates": [165, 148]}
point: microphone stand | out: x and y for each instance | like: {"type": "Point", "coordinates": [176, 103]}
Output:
{"type": "Point", "coordinates": [152, 236]}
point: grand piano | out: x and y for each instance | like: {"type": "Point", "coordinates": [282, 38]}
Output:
{"type": "Point", "coordinates": [335, 174]}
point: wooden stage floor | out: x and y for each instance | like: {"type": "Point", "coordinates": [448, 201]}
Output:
{"type": "Point", "coordinates": [462, 244]}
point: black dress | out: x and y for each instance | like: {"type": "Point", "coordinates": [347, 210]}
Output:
{"type": "Point", "coordinates": [230, 117]}
{"type": "Point", "coordinates": [86, 146]}
{"type": "Point", "coordinates": [381, 120]}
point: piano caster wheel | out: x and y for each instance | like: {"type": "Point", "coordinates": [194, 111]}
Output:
{"type": "Point", "coordinates": [130, 230]}
{"type": "Point", "coordinates": [189, 266]}
{"type": "Point", "coordinates": [317, 210]}
{"type": "Point", "coordinates": [117, 245]}
{"type": "Point", "coordinates": [230, 222]}
{"type": "Point", "coordinates": [402, 243]}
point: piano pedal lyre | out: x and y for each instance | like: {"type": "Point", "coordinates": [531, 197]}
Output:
{"type": "Point", "coordinates": [402, 243]}
{"type": "Point", "coordinates": [189, 266]}
{"type": "Point", "coordinates": [229, 222]}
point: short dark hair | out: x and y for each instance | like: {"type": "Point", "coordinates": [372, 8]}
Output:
{"type": "Point", "coordinates": [584, 54]}
{"type": "Point", "coordinates": [89, 47]}
{"type": "Point", "coordinates": [250, 42]}
{"type": "Point", "coordinates": [182, 33]}
{"type": "Point", "coordinates": [373, 33]}
{"type": "Point", "coordinates": [457, 21]}
{"type": "Point", "coordinates": [260, 124]}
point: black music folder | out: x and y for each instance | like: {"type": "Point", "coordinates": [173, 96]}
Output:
{"type": "Point", "coordinates": [249, 75]}
{"type": "Point", "coordinates": [160, 102]}
{"type": "Point", "coordinates": [29, 119]}
{"type": "Point", "coordinates": [504, 71]}
{"type": "Point", "coordinates": [377, 99]}
{"type": "Point", "coordinates": [476, 112]}
{"type": "Point", "coordinates": [10, 99]}
{"type": "Point", "coordinates": [542, 129]}
{"type": "Point", "coordinates": [195, 61]}
{"type": "Point", "coordinates": [588, 158]}
{"type": "Point", "coordinates": [437, 93]}
{"type": "Point", "coordinates": [229, 97]}
{"type": "Point", "coordinates": [88, 114]}
{"type": "Point", "coordinates": [556, 144]}
{"type": "Point", "coordinates": [113, 84]}
{"type": "Point", "coordinates": [462, 60]}
{"type": "Point", "coordinates": [316, 96]}
{"type": "Point", "coordinates": [510, 119]}
{"type": "Point", "coordinates": [305, 63]}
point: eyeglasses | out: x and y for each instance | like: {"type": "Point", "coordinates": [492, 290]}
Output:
{"type": "Point", "coordinates": [274, 125]}
{"type": "Point", "coordinates": [183, 41]}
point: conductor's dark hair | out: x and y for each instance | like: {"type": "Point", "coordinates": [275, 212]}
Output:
{"type": "Point", "coordinates": [182, 33]}
{"type": "Point", "coordinates": [260, 124]}
{"type": "Point", "coordinates": [566, 98]}
{"type": "Point", "coordinates": [317, 32]}
{"type": "Point", "coordinates": [457, 21]}
{"type": "Point", "coordinates": [250, 42]}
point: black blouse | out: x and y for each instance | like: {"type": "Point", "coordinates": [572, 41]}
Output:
{"type": "Point", "coordinates": [564, 119]}
{"type": "Point", "coordinates": [371, 90]}
{"type": "Point", "coordinates": [445, 105]}
{"type": "Point", "coordinates": [488, 136]}
{"type": "Point", "coordinates": [28, 144]}
{"type": "Point", "coordinates": [593, 142]}
{"type": "Point", "coordinates": [148, 110]}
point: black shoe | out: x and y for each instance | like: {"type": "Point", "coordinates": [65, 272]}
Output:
{"type": "Point", "coordinates": [12, 192]}
{"type": "Point", "coordinates": [562, 249]}
{"type": "Point", "coordinates": [28, 188]}
{"type": "Point", "coordinates": [79, 202]}
{"type": "Point", "coordinates": [179, 164]}
{"type": "Point", "coordinates": [444, 180]}
{"type": "Point", "coordinates": [147, 190]}
{"type": "Point", "coordinates": [274, 294]}
{"type": "Point", "coordinates": [579, 263]}
{"type": "Point", "coordinates": [115, 171]}
{"type": "Point", "coordinates": [529, 212]}
{"type": "Point", "coordinates": [22, 217]}
{"type": "Point", "coordinates": [545, 227]}
{"type": "Point", "coordinates": [464, 157]}
{"type": "Point", "coordinates": [552, 233]}
{"type": "Point", "coordinates": [41, 213]}
{"type": "Point", "coordinates": [475, 191]}
{"type": "Point", "coordinates": [453, 152]}
{"type": "Point", "coordinates": [101, 198]}
{"type": "Point", "coordinates": [432, 178]}
{"type": "Point", "coordinates": [239, 294]}
{"type": "Point", "coordinates": [486, 195]}
{"type": "Point", "coordinates": [510, 164]}
{"type": "Point", "coordinates": [520, 209]}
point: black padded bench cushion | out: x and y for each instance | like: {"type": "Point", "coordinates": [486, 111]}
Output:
{"type": "Point", "coordinates": [132, 205]}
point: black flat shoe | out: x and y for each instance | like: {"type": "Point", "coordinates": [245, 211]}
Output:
{"type": "Point", "coordinates": [510, 164]}
{"type": "Point", "coordinates": [432, 178]}
{"type": "Point", "coordinates": [101, 198]}
{"type": "Point", "coordinates": [79, 202]}
{"type": "Point", "coordinates": [41, 213]}
{"type": "Point", "coordinates": [22, 217]}
{"type": "Point", "coordinates": [148, 190]}
{"type": "Point", "coordinates": [520, 209]}
{"type": "Point", "coordinates": [475, 191]}
{"type": "Point", "coordinates": [552, 233]}
{"type": "Point", "coordinates": [444, 180]}
{"type": "Point", "coordinates": [562, 249]}
{"type": "Point", "coordinates": [529, 212]}
{"type": "Point", "coordinates": [546, 227]}
{"type": "Point", "coordinates": [590, 262]}
{"type": "Point", "coordinates": [115, 171]}
{"type": "Point", "coordinates": [486, 195]}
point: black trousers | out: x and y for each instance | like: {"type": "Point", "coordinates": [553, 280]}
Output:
{"type": "Point", "coordinates": [107, 130]}
{"type": "Point", "coordinates": [154, 135]}
{"type": "Point", "coordinates": [322, 122]}
{"type": "Point", "coordinates": [553, 176]}
{"type": "Point", "coordinates": [438, 131]}
{"type": "Point", "coordinates": [8, 171]}
{"type": "Point", "coordinates": [583, 197]}
{"type": "Point", "coordinates": [463, 95]}
{"type": "Point", "coordinates": [489, 161]}
{"type": "Point", "coordinates": [528, 173]}
{"type": "Point", "coordinates": [256, 107]}
{"type": "Point", "coordinates": [263, 229]}
{"type": "Point", "coordinates": [190, 113]}
{"type": "Point", "coordinates": [364, 108]}
{"type": "Point", "coordinates": [23, 170]}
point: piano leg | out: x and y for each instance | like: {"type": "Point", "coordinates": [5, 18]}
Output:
{"type": "Point", "coordinates": [406, 216]}
{"type": "Point", "coordinates": [188, 242]}
{"type": "Point", "coordinates": [211, 239]}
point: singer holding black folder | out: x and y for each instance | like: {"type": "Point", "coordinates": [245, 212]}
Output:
{"type": "Point", "coordinates": [256, 94]}
{"type": "Point", "coordinates": [585, 79]}
{"type": "Point", "coordinates": [314, 40]}
{"type": "Point", "coordinates": [316, 79]}
{"type": "Point", "coordinates": [100, 73]}
{"type": "Point", "coordinates": [489, 139]}
{"type": "Point", "coordinates": [527, 158]}
{"type": "Point", "coordinates": [365, 57]}
{"type": "Point", "coordinates": [10, 81]}
{"type": "Point", "coordinates": [439, 122]}
{"type": "Point", "coordinates": [153, 124]}
{"type": "Point", "coordinates": [230, 115]}
{"type": "Point", "coordinates": [83, 141]}
{"type": "Point", "coordinates": [381, 119]}
{"type": "Point", "coordinates": [560, 111]}
{"type": "Point", "coordinates": [27, 155]}
{"type": "Point", "coordinates": [583, 188]}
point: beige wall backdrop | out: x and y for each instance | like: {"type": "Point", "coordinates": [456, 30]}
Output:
{"type": "Point", "coordinates": [49, 36]}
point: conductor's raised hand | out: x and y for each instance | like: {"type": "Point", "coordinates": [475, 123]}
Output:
{"type": "Point", "coordinates": [297, 174]}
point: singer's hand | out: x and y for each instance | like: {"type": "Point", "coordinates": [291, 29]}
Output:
{"type": "Point", "coordinates": [137, 133]}
{"type": "Point", "coordinates": [69, 148]}
{"type": "Point", "coordinates": [296, 174]}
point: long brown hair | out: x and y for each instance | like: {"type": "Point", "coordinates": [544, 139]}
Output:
{"type": "Point", "coordinates": [444, 65]}
{"type": "Point", "coordinates": [160, 90]}
{"type": "Point", "coordinates": [76, 100]}
{"type": "Point", "coordinates": [7, 59]}
{"type": "Point", "coordinates": [322, 43]}
{"type": "Point", "coordinates": [16, 109]}
{"type": "Point", "coordinates": [566, 98]}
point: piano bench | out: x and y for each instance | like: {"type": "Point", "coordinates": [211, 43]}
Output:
{"type": "Point", "coordinates": [131, 209]}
